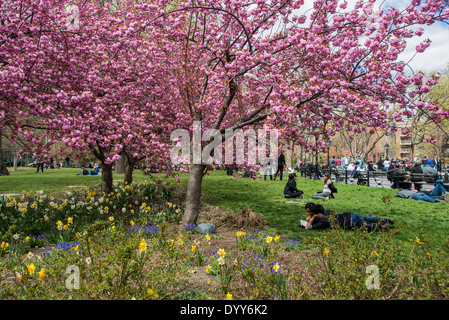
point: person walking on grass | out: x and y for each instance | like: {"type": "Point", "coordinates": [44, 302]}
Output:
{"type": "Point", "coordinates": [290, 190]}
{"type": "Point", "coordinates": [40, 165]}
{"type": "Point", "coordinates": [281, 165]}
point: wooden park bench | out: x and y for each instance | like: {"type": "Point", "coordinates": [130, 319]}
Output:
{"type": "Point", "coordinates": [359, 177]}
{"type": "Point", "coordinates": [399, 180]}
{"type": "Point", "coordinates": [419, 179]}
{"type": "Point", "coordinates": [379, 177]}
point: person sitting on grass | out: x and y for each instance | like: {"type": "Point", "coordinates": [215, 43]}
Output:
{"type": "Point", "coordinates": [85, 172]}
{"type": "Point", "coordinates": [325, 219]}
{"type": "Point", "coordinates": [290, 190]}
{"type": "Point", "coordinates": [328, 188]}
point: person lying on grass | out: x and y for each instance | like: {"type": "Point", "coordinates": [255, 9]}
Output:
{"type": "Point", "coordinates": [437, 194]}
{"type": "Point", "coordinates": [318, 218]}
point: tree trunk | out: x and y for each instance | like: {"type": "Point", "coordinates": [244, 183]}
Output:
{"type": "Point", "coordinates": [290, 154]}
{"type": "Point", "coordinates": [106, 178]}
{"type": "Point", "coordinates": [120, 165]}
{"type": "Point", "coordinates": [3, 168]}
{"type": "Point", "coordinates": [193, 198]}
{"type": "Point", "coordinates": [129, 167]}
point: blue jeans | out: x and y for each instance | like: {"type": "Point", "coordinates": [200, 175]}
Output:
{"type": "Point", "coordinates": [357, 218]}
{"type": "Point", "coordinates": [424, 197]}
{"type": "Point", "coordinates": [436, 193]}
{"type": "Point", "coordinates": [439, 189]}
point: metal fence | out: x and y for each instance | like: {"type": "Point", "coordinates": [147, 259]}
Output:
{"type": "Point", "coordinates": [379, 179]}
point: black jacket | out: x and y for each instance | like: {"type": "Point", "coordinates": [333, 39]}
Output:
{"type": "Point", "coordinates": [281, 160]}
{"type": "Point", "coordinates": [342, 220]}
{"type": "Point", "coordinates": [290, 187]}
{"type": "Point", "coordinates": [323, 223]}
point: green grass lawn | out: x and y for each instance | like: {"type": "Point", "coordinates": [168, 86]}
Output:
{"type": "Point", "coordinates": [266, 197]}
{"type": "Point", "coordinates": [416, 218]}
{"type": "Point", "coordinates": [26, 180]}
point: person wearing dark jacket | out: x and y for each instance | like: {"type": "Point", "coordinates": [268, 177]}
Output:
{"type": "Point", "coordinates": [417, 170]}
{"type": "Point", "coordinates": [325, 219]}
{"type": "Point", "coordinates": [290, 190]}
{"type": "Point", "coordinates": [281, 164]}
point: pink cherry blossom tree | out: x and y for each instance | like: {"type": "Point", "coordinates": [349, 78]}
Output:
{"type": "Point", "coordinates": [247, 63]}
{"type": "Point", "coordinates": [128, 77]}
{"type": "Point", "coordinates": [88, 83]}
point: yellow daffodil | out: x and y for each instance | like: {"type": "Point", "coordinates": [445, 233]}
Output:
{"type": "Point", "coordinates": [276, 267]}
{"type": "Point", "coordinates": [418, 241]}
{"type": "Point", "coordinates": [228, 296]}
{"type": "Point", "coordinates": [31, 268]}
{"type": "Point", "coordinates": [240, 234]}
{"type": "Point", "coordinates": [142, 246]}
{"type": "Point", "coordinates": [269, 239]}
{"type": "Point", "coordinates": [276, 239]}
{"type": "Point", "coordinates": [4, 245]}
{"type": "Point", "coordinates": [207, 237]}
{"type": "Point", "coordinates": [208, 268]}
{"type": "Point", "coordinates": [65, 227]}
{"type": "Point", "coordinates": [27, 239]}
{"type": "Point", "coordinates": [69, 220]}
{"type": "Point", "coordinates": [374, 254]}
{"type": "Point", "coordinates": [221, 252]}
{"type": "Point", "coordinates": [193, 248]}
{"type": "Point", "coordinates": [111, 219]}
{"type": "Point", "coordinates": [326, 252]}
{"type": "Point", "coordinates": [41, 273]}
{"type": "Point", "coordinates": [151, 292]}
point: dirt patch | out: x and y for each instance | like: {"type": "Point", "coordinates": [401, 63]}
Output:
{"type": "Point", "coordinates": [245, 218]}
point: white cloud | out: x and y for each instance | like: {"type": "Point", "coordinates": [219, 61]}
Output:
{"type": "Point", "coordinates": [436, 56]}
